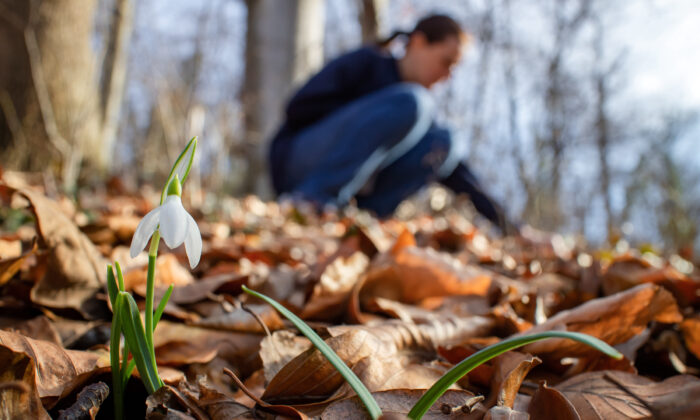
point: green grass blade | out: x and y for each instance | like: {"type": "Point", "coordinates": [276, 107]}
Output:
{"type": "Point", "coordinates": [161, 306]}
{"type": "Point", "coordinates": [488, 353]}
{"type": "Point", "coordinates": [112, 288]}
{"type": "Point", "coordinates": [120, 277]}
{"type": "Point", "coordinates": [127, 368]}
{"type": "Point", "coordinates": [136, 337]}
{"type": "Point", "coordinates": [365, 396]}
{"type": "Point", "coordinates": [117, 382]}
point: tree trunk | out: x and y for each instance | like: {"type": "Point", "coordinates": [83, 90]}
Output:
{"type": "Point", "coordinates": [370, 16]}
{"type": "Point", "coordinates": [284, 45]}
{"type": "Point", "coordinates": [114, 69]}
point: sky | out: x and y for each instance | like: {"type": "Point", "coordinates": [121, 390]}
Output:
{"type": "Point", "coordinates": [663, 37]}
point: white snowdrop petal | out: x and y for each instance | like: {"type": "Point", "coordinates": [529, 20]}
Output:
{"type": "Point", "coordinates": [144, 231]}
{"type": "Point", "coordinates": [193, 242]}
{"type": "Point", "coordinates": [173, 222]}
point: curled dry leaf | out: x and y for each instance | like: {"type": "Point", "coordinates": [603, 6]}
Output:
{"type": "Point", "coordinates": [613, 319]}
{"type": "Point", "coordinates": [178, 344]}
{"type": "Point", "coordinates": [510, 370]}
{"type": "Point", "coordinates": [334, 286]}
{"type": "Point", "coordinates": [241, 320]}
{"type": "Point", "coordinates": [413, 274]}
{"type": "Point", "coordinates": [620, 395]}
{"type": "Point", "coordinates": [87, 404]}
{"type": "Point", "coordinates": [168, 271]}
{"type": "Point", "coordinates": [628, 271]}
{"type": "Point", "coordinates": [38, 328]}
{"type": "Point", "coordinates": [10, 266]}
{"type": "Point", "coordinates": [76, 270]}
{"type": "Point", "coordinates": [19, 398]}
{"type": "Point", "coordinates": [398, 402]}
{"type": "Point", "coordinates": [59, 371]}
{"type": "Point", "coordinates": [691, 334]}
{"type": "Point", "coordinates": [551, 403]}
{"type": "Point", "coordinates": [310, 376]}
{"type": "Point", "coordinates": [279, 349]}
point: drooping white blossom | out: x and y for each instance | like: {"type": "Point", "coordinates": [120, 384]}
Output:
{"type": "Point", "coordinates": [176, 226]}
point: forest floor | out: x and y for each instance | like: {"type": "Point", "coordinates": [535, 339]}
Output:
{"type": "Point", "coordinates": [400, 300]}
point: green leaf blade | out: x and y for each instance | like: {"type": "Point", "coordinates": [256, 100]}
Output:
{"type": "Point", "coordinates": [465, 366]}
{"type": "Point", "coordinates": [136, 337]}
{"type": "Point", "coordinates": [362, 392]}
{"type": "Point", "coordinates": [182, 166]}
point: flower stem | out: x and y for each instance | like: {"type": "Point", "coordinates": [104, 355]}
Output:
{"type": "Point", "coordinates": [150, 286]}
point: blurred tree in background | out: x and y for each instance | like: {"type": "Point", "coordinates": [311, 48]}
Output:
{"type": "Point", "coordinates": [95, 87]}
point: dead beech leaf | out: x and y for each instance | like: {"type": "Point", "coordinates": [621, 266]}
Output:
{"type": "Point", "coordinates": [400, 402]}
{"type": "Point", "coordinates": [279, 349]}
{"type": "Point", "coordinates": [621, 395]}
{"type": "Point", "coordinates": [551, 403]}
{"type": "Point", "coordinates": [681, 405]}
{"type": "Point", "coordinates": [397, 372]}
{"type": "Point", "coordinates": [87, 403]}
{"type": "Point", "coordinates": [10, 266]}
{"type": "Point", "coordinates": [178, 344]}
{"type": "Point", "coordinates": [510, 369]}
{"type": "Point", "coordinates": [38, 328]}
{"type": "Point", "coordinates": [691, 334]}
{"type": "Point", "coordinates": [59, 371]}
{"type": "Point", "coordinates": [219, 406]}
{"type": "Point", "coordinates": [168, 271]}
{"type": "Point", "coordinates": [334, 286]}
{"type": "Point", "coordinates": [239, 319]}
{"type": "Point", "coordinates": [310, 376]}
{"type": "Point", "coordinates": [19, 398]}
{"type": "Point", "coordinates": [76, 270]}
{"type": "Point", "coordinates": [413, 274]}
{"type": "Point", "coordinates": [613, 319]}
{"type": "Point", "coordinates": [628, 271]}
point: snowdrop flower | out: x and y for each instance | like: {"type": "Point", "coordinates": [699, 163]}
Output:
{"type": "Point", "coordinates": [174, 224]}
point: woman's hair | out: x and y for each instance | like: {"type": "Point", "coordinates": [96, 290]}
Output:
{"type": "Point", "coordinates": [436, 28]}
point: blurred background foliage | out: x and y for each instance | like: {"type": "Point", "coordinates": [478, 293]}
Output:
{"type": "Point", "coordinates": [553, 100]}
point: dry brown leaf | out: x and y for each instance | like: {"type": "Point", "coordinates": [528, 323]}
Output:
{"type": "Point", "coordinates": [255, 384]}
{"type": "Point", "coordinates": [178, 344]}
{"type": "Point", "coordinates": [19, 398]}
{"type": "Point", "coordinates": [621, 395]}
{"type": "Point", "coordinates": [87, 403]}
{"type": "Point", "coordinates": [76, 270]}
{"type": "Point", "coordinates": [168, 271]}
{"type": "Point", "coordinates": [239, 319]}
{"type": "Point", "coordinates": [311, 376]}
{"type": "Point", "coordinates": [629, 271]}
{"type": "Point", "coordinates": [38, 328]}
{"type": "Point", "coordinates": [59, 371]}
{"type": "Point", "coordinates": [551, 403]}
{"type": "Point", "coordinates": [613, 319]}
{"type": "Point", "coordinates": [279, 349]}
{"type": "Point", "coordinates": [681, 405]}
{"type": "Point", "coordinates": [334, 286]}
{"type": "Point", "coordinates": [691, 334]}
{"type": "Point", "coordinates": [510, 369]}
{"type": "Point", "coordinates": [413, 274]}
{"type": "Point", "coordinates": [10, 266]}
{"type": "Point", "coordinates": [400, 402]}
